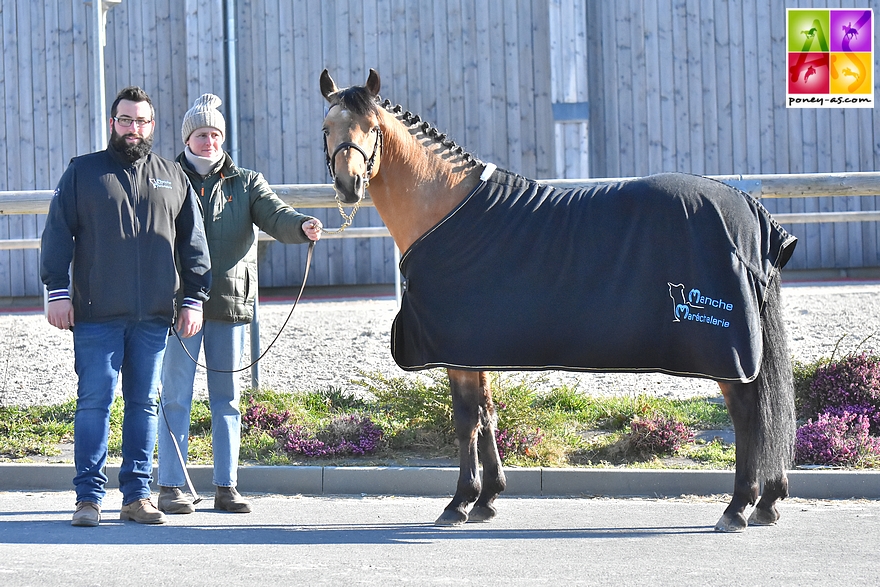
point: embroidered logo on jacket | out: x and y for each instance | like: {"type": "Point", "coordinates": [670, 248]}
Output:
{"type": "Point", "coordinates": [161, 183]}
{"type": "Point", "coordinates": [692, 307]}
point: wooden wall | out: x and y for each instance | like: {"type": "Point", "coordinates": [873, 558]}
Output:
{"type": "Point", "coordinates": [699, 87]}
{"type": "Point", "coordinates": [479, 70]}
{"type": "Point", "coordinates": [547, 88]}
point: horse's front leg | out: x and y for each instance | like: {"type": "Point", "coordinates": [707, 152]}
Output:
{"type": "Point", "coordinates": [470, 400]}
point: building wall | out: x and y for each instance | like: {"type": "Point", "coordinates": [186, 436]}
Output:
{"type": "Point", "coordinates": [699, 87]}
{"type": "Point", "coordinates": [546, 88]}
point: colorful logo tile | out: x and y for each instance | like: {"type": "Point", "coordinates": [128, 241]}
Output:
{"type": "Point", "coordinates": [830, 58]}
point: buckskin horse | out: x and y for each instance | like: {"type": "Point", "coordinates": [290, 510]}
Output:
{"type": "Point", "coordinates": [508, 273]}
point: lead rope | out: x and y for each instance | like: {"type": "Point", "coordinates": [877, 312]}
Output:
{"type": "Point", "coordinates": [280, 330]}
{"type": "Point", "coordinates": [180, 459]}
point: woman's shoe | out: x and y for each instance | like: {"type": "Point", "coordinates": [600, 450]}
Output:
{"type": "Point", "coordinates": [230, 500]}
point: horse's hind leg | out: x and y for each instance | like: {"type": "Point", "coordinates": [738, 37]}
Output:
{"type": "Point", "coordinates": [765, 513]}
{"type": "Point", "coordinates": [473, 413]}
{"type": "Point", "coordinates": [763, 417]}
{"type": "Point", "coordinates": [741, 400]}
{"type": "Point", "coordinates": [742, 404]}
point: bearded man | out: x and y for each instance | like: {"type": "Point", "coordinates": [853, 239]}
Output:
{"type": "Point", "coordinates": [122, 216]}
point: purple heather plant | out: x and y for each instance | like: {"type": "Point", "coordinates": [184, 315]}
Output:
{"type": "Point", "coordinates": [517, 442]}
{"type": "Point", "coordinates": [344, 436]}
{"type": "Point", "coordinates": [836, 440]}
{"type": "Point", "coordinates": [258, 417]}
{"type": "Point", "coordinates": [850, 385]}
{"type": "Point", "coordinates": [658, 435]}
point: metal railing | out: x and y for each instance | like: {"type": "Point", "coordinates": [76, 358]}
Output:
{"type": "Point", "coordinates": [804, 185]}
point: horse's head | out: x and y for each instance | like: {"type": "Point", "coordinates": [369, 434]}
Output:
{"type": "Point", "coordinates": [352, 137]}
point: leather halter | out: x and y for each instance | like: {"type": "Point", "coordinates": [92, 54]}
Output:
{"type": "Point", "coordinates": [369, 160]}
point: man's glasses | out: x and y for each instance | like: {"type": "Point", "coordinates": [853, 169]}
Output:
{"type": "Point", "coordinates": [127, 122]}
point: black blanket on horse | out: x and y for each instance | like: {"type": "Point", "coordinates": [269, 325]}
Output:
{"type": "Point", "coordinates": [665, 273]}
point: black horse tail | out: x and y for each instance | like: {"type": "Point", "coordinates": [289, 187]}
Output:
{"type": "Point", "coordinates": [775, 434]}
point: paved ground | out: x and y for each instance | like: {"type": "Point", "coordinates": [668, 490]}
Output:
{"type": "Point", "coordinates": [383, 538]}
{"type": "Point", "coordinates": [291, 540]}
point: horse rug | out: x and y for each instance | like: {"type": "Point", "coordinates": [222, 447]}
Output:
{"type": "Point", "coordinates": [666, 273]}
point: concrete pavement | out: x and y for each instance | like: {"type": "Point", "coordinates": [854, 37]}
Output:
{"type": "Point", "coordinates": [374, 526]}
{"type": "Point", "coordinates": [296, 540]}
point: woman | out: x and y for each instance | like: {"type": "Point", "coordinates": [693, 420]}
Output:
{"type": "Point", "coordinates": [233, 200]}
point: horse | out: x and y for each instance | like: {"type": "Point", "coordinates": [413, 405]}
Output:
{"type": "Point", "coordinates": [419, 179]}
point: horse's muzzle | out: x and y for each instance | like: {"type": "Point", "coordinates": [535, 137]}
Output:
{"type": "Point", "coordinates": [350, 189]}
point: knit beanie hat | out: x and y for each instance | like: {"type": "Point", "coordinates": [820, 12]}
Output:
{"type": "Point", "coordinates": [203, 113]}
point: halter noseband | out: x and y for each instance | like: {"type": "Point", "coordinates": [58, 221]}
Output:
{"type": "Point", "coordinates": [369, 160]}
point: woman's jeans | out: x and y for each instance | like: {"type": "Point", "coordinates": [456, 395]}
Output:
{"type": "Point", "coordinates": [103, 350]}
{"type": "Point", "coordinates": [224, 344]}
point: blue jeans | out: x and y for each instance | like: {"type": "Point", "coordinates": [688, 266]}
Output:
{"type": "Point", "coordinates": [224, 346]}
{"type": "Point", "coordinates": [103, 350]}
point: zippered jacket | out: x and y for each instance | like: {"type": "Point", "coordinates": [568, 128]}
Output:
{"type": "Point", "coordinates": [122, 224]}
{"type": "Point", "coordinates": [233, 200]}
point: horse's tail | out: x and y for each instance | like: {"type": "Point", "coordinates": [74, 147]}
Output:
{"type": "Point", "coordinates": [775, 433]}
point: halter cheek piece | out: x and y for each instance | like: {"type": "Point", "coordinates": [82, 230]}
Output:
{"type": "Point", "coordinates": [369, 160]}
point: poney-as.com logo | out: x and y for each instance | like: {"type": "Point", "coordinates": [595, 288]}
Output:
{"type": "Point", "coordinates": [830, 58]}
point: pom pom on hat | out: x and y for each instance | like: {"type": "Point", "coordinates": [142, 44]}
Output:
{"type": "Point", "coordinates": [203, 113]}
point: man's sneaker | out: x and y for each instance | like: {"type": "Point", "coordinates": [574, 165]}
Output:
{"type": "Point", "coordinates": [173, 501]}
{"type": "Point", "coordinates": [230, 500]}
{"type": "Point", "coordinates": [142, 511]}
{"type": "Point", "coordinates": [86, 514]}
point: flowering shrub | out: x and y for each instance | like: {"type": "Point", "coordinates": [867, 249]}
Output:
{"type": "Point", "coordinates": [658, 435]}
{"type": "Point", "coordinates": [851, 385]}
{"type": "Point", "coordinates": [344, 435]}
{"type": "Point", "coordinates": [258, 417]}
{"type": "Point", "coordinates": [517, 442]}
{"type": "Point", "coordinates": [842, 440]}
{"type": "Point", "coordinates": [351, 434]}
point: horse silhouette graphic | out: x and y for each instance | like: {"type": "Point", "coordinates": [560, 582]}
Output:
{"type": "Point", "coordinates": [850, 73]}
{"type": "Point", "coordinates": [849, 32]}
{"type": "Point", "coordinates": [810, 71]}
{"type": "Point", "coordinates": [681, 304]}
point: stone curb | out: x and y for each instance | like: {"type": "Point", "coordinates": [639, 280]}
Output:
{"type": "Point", "coordinates": [441, 481]}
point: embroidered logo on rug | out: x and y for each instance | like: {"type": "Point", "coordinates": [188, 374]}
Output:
{"type": "Point", "coordinates": [161, 183]}
{"type": "Point", "coordinates": [693, 306]}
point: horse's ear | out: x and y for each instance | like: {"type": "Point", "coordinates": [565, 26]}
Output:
{"type": "Point", "coordinates": [328, 86]}
{"type": "Point", "coordinates": [373, 82]}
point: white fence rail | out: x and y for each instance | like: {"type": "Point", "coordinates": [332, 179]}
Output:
{"type": "Point", "coordinates": [799, 185]}
{"type": "Point", "coordinates": [322, 196]}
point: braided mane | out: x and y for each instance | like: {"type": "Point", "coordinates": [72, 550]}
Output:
{"type": "Point", "coordinates": [413, 121]}
{"type": "Point", "coordinates": [360, 102]}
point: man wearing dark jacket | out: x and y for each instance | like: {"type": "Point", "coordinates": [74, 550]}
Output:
{"type": "Point", "coordinates": [121, 215]}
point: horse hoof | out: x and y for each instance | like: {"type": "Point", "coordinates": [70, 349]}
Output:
{"type": "Point", "coordinates": [761, 517]}
{"type": "Point", "coordinates": [451, 518]}
{"type": "Point", "coordinates": [731, 523]}
{"type": "Point", "coordinates": [482, 513]}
